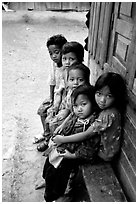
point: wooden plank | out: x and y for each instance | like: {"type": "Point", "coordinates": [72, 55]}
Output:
{"type": "Point", "coordinates": [130, 129]}
{"type": "Point", "coordinates": [69, 6]}
{"type": "Point", "coordinates": [126, 8]}
{"type": "Point", "coordinates": [76, 6]}
{"type": "Point", "coordinates": [40, 6]}
{"type": "Point", "coordinates": [93, 28]}
{"type": "Point", "coordinates": [105, 33]}
{"type": "Point", "coordinates": [131, 60]}
{"type": "Point", "coordinates": [113, 33]}
{"type": "Point", "coordinates": [21, 5]}
{"type": "Point", "coordinates": [118, 66]}
{"type": "Point", "coordinates": [124, 28]}
{"type": "Point", "coordinates": [132, 104]}
{"type": "Point", "coordinates": [122, 47]}
{"type": "Point", "coordinates": [96, 28]}
{"type": "Point", "coordinates": [99, 40]}
{"type": "Point", "coordinates": [102, 184]}
{"type": "Point", "coordinates": [90, 30]}
{"type": "Point", "coordinates": [131, 113]}
{"type": "Point", "coordinates": [128, 168]}
{"type": "Point", "coordinates": [130, 151]}
{"type": "Point", "coordinates": [127, 186]}
{"type": "Point", "coordinates": [53, 6]}
{"type": "Point", "coordinates": [134, 86]}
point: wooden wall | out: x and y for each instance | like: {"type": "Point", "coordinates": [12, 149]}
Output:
{"type": "Point", "coordinates": [112, 47]}
{"type": "Point", "coordinates": [43, 6]}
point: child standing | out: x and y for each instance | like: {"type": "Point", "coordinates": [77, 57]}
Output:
{"type": "Point", "coordinates": [110, 96]}
{"type": "Point", "coordinates": [72, 53]}
{"type": "Point", "coordinates": [54, 45]}
{"type": "Point", "coordinates": [57, 170]}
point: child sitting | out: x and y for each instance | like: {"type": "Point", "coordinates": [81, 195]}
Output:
{"type": "Point", "coordinates": [67, 157]}
{"type": "Point", "coordinates": [54, 45]}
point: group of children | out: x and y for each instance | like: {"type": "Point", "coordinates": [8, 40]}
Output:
{"type": "Point", "coordinates": [81, 122]}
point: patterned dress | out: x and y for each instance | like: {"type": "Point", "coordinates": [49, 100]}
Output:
{"type": "Point", "coordinates": [110, 133]}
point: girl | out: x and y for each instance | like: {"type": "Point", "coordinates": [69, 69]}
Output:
{"type": "Point", "coordinates": [56, 81]}
{"type": "Point", "coordinates": [58, 167]}
{"type": "Point", "coordinates": [72, 52]}
{"type": "Point", "coordinates": [110, 96]}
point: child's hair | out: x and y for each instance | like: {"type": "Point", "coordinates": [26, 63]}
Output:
{"type": "Point", "coordinates": [74, 47]}
{"type": "Point", "coordinates": [58, 40]}
{"type": "Point", "coordinates": [83, 68]}
{"type": "Point", "coordinates": [117, 87]}
{"type": "Point", "coordinates": [87, 90]}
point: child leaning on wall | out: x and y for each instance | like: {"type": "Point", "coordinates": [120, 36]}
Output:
{"type": "Point", "coordinates": [56, 81]}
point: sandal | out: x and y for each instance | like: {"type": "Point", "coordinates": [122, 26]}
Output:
{"type": "Point", "coordinates": [42, 147]}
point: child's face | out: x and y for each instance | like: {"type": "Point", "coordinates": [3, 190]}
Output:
{"type": "Point", "coordinates": [75, 78]}
{"type": "Point", "coordinates": [104, 98]}
{"type": "Point", "coordinates": [82, 107]}
{"type": "Point", "coordinates": [69, 59]}
{"type": "Point", "coordinates": [55, 53]}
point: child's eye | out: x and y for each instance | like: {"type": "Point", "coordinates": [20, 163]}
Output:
{"type": "Point", "coordinates": [83, 104]}
{"type": "Point", "coordinates": [81, 80]}
{"type": "Point", "coordinates": [109, 96]}
{"type": "Point", "coordinates": [63, 58]}
{"type": "Point", "coordinates": [71, 59]}
{"type": "Point", "coordinates": [71, 79]}
{"type": "Point", "coordinates": [56, 52]}
{"type": "Point", "coordinates": [98, 93]}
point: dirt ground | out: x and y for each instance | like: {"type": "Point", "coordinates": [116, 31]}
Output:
{"type": "Point", "coordinates": [25, 69]}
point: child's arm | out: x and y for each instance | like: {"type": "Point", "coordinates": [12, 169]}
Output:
{"type": "Point", "coordinates": [100, 124]}
{"type": "Point", "coordinates": [52, 87]}
{"type": "Point", "coordinates": [60, 128]}
{"type": "Point", "coordinates": [75, 137]}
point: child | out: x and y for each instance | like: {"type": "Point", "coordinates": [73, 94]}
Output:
{"type": "Point", "coordinates": [72, 52]}
{"type": "Point", "coordinates": [78, 74]}
{"type": "Point", "coordinates": [54, 45]}
{"type": "Point", "coordinates": [57, 170]}
{"type": "Point", "coordinates": [110, 96]}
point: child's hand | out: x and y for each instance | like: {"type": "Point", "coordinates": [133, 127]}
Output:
{"type": "Point", "coordinates": [67, 155]}
{"type": "Point", "coordinates": [58, 139]}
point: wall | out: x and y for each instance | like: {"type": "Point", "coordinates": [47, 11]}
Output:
{"type": "Point", "coordinates": [112, 47]}
{"type": "Point", "coordinates": [43, 6]}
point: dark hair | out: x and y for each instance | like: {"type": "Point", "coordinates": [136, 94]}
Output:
{"type": "Point", "coordinates": [87, 90]}
{"type": "Point", "coordinates": [74, 47]}
{"type": "Point", "coordinates": [58, 40]}
{"type": "Point", "coordinates": [81, 67]}
{"type": "Point", "coordinates": [117, 86]}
